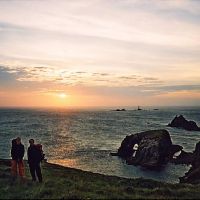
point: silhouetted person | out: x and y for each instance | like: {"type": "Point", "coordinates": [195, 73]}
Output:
{"type": "Point", "coordinates": [17, 154]}
{"type": "Point", "coordinates": [34, 159]}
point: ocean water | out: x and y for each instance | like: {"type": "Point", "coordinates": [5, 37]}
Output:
{"type": "Point", "coordinates": [83, 139]}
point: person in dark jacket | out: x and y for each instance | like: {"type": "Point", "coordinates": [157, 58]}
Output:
{"type": "Point", "coordinates": [17, 154]}
{"type": "Point", "coordinates": [34, 159]}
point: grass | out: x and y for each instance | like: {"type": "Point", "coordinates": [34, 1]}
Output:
{"type": "Point", "coordinates": [67, 183]}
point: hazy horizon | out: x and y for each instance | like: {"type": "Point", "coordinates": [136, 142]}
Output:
{"type": "Point", "coordinates": [98, 53]}
{"type": "Point", "coordinates": [99, 107]}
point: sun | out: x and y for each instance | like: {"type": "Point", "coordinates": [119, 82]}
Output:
{"type": "Point", "coordinates": [62, 95]}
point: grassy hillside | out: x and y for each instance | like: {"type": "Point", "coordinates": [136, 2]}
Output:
{"type": "Point", "coordinates": [66, 183]}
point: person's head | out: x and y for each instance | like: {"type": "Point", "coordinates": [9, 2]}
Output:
{"type": "Point", "coordinates": [31, 141]}
{"type": "Point", "coordinates": [18, 140]}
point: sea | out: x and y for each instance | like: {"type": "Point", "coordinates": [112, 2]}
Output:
{"type": "Point", "coordinates": [84, 138]}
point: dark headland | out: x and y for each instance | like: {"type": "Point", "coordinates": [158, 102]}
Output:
{"type": "Point", "coordinates": [67, 183]}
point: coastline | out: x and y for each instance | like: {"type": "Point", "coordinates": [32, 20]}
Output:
{"type": "Point", "coordinates": [68, 183]}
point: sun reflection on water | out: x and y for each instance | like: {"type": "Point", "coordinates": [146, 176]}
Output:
{"type": "Point", "coordinates": [65, 162]}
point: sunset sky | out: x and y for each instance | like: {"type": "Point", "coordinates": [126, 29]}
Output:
{"type": "Point", "coordinates": [99, 53]}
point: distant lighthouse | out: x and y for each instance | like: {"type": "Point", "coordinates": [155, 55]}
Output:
{"type": "Point", "coordinates": [139, 108]}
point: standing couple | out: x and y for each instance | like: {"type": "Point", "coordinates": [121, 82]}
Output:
{"type": "Point", "coordinates": [35, 156]}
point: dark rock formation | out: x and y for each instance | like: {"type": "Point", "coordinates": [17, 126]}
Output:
{"type": "Point", "coordinates": [181, 122]}
{"type": "Point", "coordinates": [197, 150]}
{"type": "Point", "coordinates": [174, 149]}
{"type": "Point", "coordinates": [184, 158]}
{"type": "Point", "coordinates": [193, 175]}
{"type": "Point", "coordinates": [123, 109]}
{"type": "Point", "coordinates": [153, 148]}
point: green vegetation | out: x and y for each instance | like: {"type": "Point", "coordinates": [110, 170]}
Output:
{"type": "Point", "coordinates": [67, 183]}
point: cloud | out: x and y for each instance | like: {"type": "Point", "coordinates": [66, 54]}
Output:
{"type": "Point", "coordinates": [187, 6]}
{"type": "Point", "coordinates": [158, 90]}
{"type": "Point", "coordinates": [62, 76]}
{"type": "Point", "coordinates": [128, 77]}
{"type": "Point", "coordinates": [129, 36]}
{"type": "Point", "coordinates": [7, 77]}
{"type": "Point", "coordinates": [146, 24]}
{"type": "Point", "coordinates": [174, 88]}
{"type": "Point", "coordinates": [51, 92]}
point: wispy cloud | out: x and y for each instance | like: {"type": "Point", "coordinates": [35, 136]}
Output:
{"type": "Point", "coordinates": [50, 74]}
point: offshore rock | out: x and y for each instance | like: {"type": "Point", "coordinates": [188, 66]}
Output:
{"type": "Point", "coordinates": [150, 149]}
{"type": "Point", "coordinates": [181, 122]}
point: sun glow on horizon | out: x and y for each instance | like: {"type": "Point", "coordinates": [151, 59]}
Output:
{"type": "Point", "coordinates": [62, 95]}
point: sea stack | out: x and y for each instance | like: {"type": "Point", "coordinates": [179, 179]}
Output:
{"type": "Point", "coordinates": [149, 149]}
{"type": "Point", "coordinates": [181, 122]}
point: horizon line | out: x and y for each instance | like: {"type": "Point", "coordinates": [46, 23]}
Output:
{"type": "Point", "coordinates": [93, 107]}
